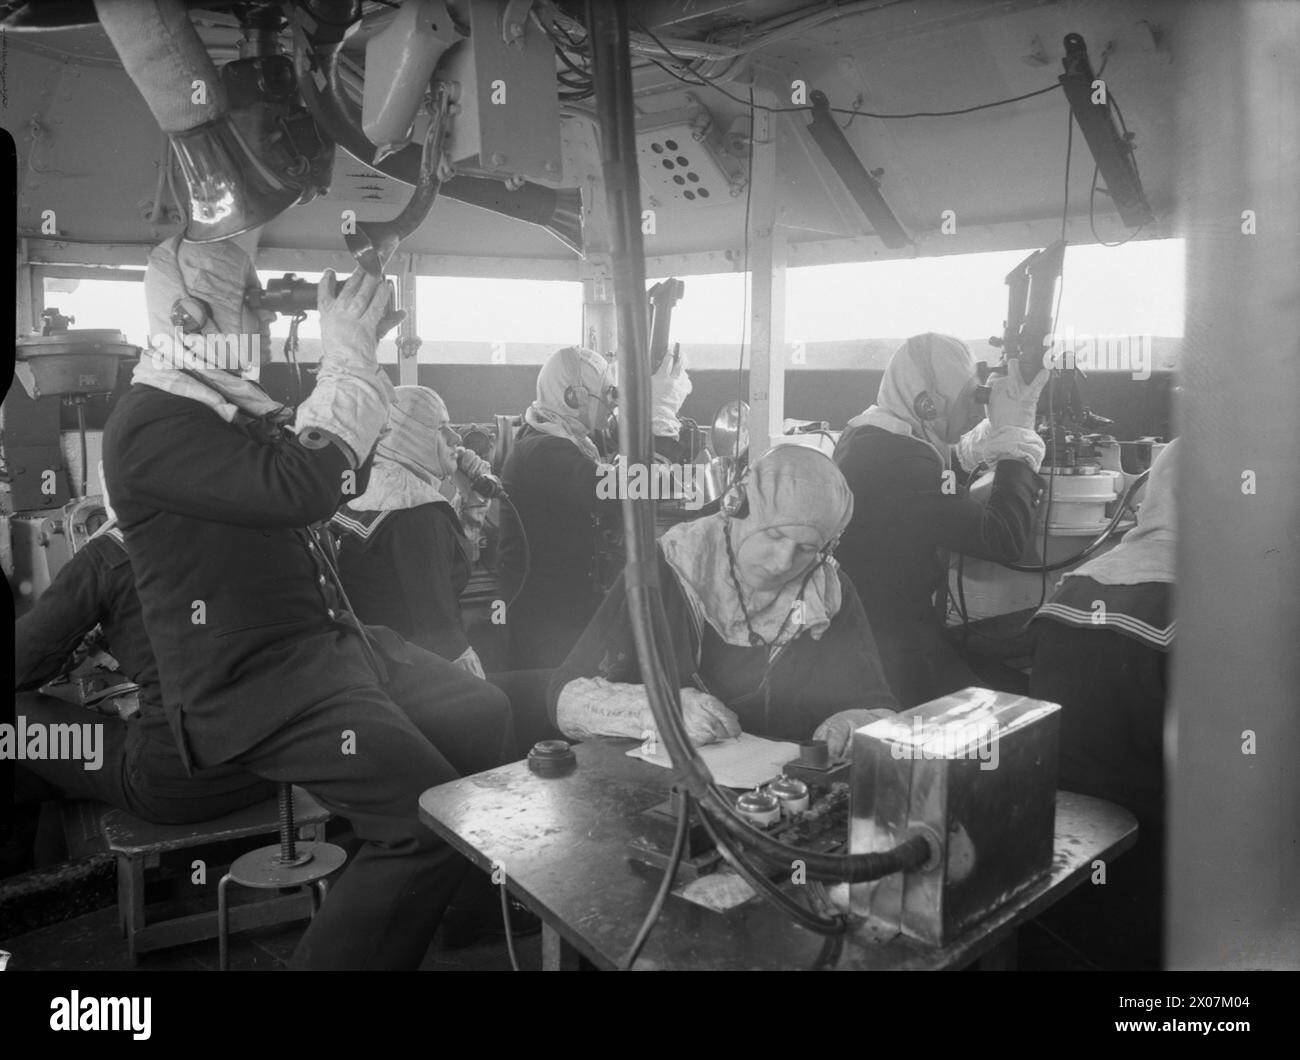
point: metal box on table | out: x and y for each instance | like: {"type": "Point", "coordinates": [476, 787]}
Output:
{"type": "Point", "coordinates": [976, 771]}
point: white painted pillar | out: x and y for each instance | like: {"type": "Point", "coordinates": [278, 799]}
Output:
{"type": "Point", "coordinates": [599, 324]}
{"type": "Point", "coordinates": [767, 256]}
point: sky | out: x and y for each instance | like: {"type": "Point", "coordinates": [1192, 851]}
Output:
{"type": "Point", "coordinates": [1136, 289]}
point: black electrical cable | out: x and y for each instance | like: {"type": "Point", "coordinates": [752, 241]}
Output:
{"type": "Point", "coordinates": [553, 28]}
{"type": "Point", "coordinates": [528, 557]}
{"type": "Point", "coordinates": [823, 925]}
{"type": "Point", "coordinates": [666, 884]}
{"type": "Point", "coordinates": [961, 596]}
{"type": "Point", "coordinates": [1111, 101]}
{"type": "Point", "coordinates": [505, 924]}
{"type": "Point", "coordinates": [744, 300]}
{"type": "Point", "coordinates": [1069, 150]}
{"type": "Point", "coordinates": [1051, 488]}
{"type": "Point", "coordinates": [1092, 222]}
{"type": "Point", "coordinates": [910, 853]}
{"type": "Point", "coordinates": [564, 58]}
{"type": "Point", "coordinates": [1096, 542]}
{"type": "Point", "coordinates": [1051, 475]}
{"type": "Point", "coordinates": [705, 82]}
{"type": "Point", "coordinates": [1051, 382]}
{"type": "Point", "coordinates": [608, 34]}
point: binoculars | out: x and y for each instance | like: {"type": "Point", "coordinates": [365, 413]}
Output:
{"type": "Point", "coordinates": [288, 295]}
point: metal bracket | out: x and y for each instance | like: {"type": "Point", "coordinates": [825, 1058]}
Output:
{"type": "Point", "coordinates": [514, 21]}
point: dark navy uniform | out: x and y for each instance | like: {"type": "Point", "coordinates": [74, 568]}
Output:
{"type": "Point", "coordinates": [142, 773]}
{"type": "Point", "coordinates": [783, 695]}
{"type": "Point", "coordinates": [902, 517]}
{"type": "Point", "coordinates": [406, 569]}
{"type": "Point", "coordinates": [564, 525]}
{"type": "Point", "coordinates": [260, 664]}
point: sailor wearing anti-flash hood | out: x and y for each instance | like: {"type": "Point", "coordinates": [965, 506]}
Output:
{"type": "Point", "coordinates": [894, 456]}
{"type": "Point", "coordinates": [403, 555]}
{"type": "Point", "coordinates": [768, 635]}
{"type": "Point", "coordinates": [260, 661]}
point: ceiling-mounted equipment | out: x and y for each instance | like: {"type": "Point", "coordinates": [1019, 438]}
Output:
{"type": "Point", "coordinates": [682, 158]}
{"type": "Point", "coordinates": [318, 35]}
{"type": "Point", "coordinates": [246, 147]}
{"type": "Point", "coordinates": [863, 186]}
{"type": "Point", "coordinates": [400, 60]}
{"type": "Point", "coordinates": [62, 14]}
{"type": "Point", "coordinates": [508, 124]}
{"type": "Point", "coordinates": [1111, 149]}
{"type": "Point", "coordinates": [374, 243]}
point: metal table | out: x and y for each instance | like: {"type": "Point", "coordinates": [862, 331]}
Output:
{"type": "Point", "coordinates": [563, 846]}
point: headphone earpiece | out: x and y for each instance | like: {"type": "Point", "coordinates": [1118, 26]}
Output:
{"type": "Point", "coordinates": [735, 502]}
{"type": "Point", "coordinates": [924, 406]}
{"type": "Point", "coordinates": [576, 396]}
{"type": "Point", "coordinates": [190, 314]}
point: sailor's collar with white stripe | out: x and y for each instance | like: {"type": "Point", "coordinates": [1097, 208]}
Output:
{"type": "Point", "coordinates": [361, 525]}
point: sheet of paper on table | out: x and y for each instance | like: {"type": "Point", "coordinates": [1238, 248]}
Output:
{"type": "Point", "coordinates": [744, 762]}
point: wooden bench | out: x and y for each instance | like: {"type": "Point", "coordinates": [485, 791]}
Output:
{"type": "Point", "coordinates": [94, 827]}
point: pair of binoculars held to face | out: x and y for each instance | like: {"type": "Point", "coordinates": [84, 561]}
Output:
{"type": "Point", "coordinates": [289, 295]}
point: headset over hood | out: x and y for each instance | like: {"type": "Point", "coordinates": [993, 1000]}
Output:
{"type": "Point", "coordinates": [575, 374]}
{"type": "Point", "coordinates": [788, 486]}
{"type": "Point", "coordinates": [413, 458]}
{"type": "Point", "coordinates": [926, 392]}
{"type": "Point", "coordinates": [208, 281]}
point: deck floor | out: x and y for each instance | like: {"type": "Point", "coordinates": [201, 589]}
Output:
{"type": "Point", "coordinates": [92, 943]}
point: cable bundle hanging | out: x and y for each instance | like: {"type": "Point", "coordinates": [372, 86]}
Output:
{"type": "Point", "coordinates": [737, 840]}
{"type": "Point", "coordinates": [574, 55]}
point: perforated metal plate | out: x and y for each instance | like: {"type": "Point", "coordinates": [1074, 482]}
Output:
{"type": "Point", "coordinates": [681, 160]}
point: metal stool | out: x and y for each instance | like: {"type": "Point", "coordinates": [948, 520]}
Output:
{"type": "Point", "coordinates": [291, 864]}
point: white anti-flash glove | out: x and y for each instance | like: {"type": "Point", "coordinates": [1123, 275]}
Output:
{"type": "Point", "coordinates": [986, 444]}
{"type": "Point", "coordinates": [469, 660]}
{"type": "Point", "coordinates": [470, 464]}
{"type": "Point", "coordinates": [669, 387]}
{"type": "Point", "coordinates": [970, 447]}
{"type": "Point", "coordinates": [593, 706]}
{"type": "Point", "coordinates": [352, 395]}
{"type": "Point", "coordinates": [838, 729]}
{"type": "Point", "coordinates": [1012, 401]}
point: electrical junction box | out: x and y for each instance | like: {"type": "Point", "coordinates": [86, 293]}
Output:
{"type": "Point", "coordinates": [682, 160]}
{"type": "Point", "coordinates": [506, 112]}
{"type": "Point", "coordinates": [976, 772]}
{"type": "Point", "coordinates": [39, 551]}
